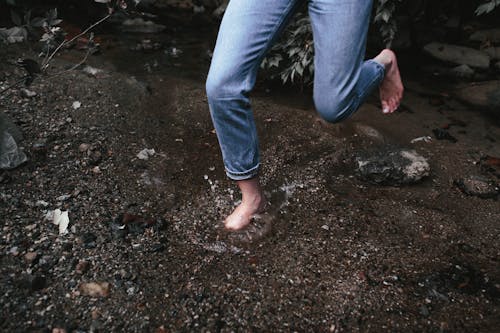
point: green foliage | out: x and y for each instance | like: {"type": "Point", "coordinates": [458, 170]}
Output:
{"type": "Point", "coordinates": [386, 20]}
{"type": "Point", "coordinates": [25, 25]}
{"type": "Point", "coordinates": [292, 57]}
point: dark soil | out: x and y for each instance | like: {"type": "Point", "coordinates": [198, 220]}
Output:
{"type": "Point", "coordinates": [343, 255]}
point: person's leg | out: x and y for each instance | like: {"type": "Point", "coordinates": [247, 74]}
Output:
{"type": "Point", "coordinates": [342, 79]}
{"type": "Point", "coordinates": [247, 31]}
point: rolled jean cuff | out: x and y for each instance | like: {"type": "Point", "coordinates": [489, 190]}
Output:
{"type": "Point", "coordinates": [380, 69]}
{"type": "Point", "coordinates": [243, 175]}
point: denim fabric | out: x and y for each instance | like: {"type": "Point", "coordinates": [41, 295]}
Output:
{"type": "Point", "coordinates": [342, 79]}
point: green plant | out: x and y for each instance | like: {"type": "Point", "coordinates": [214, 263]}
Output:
{"type": "Point", "coordinates": [385, 18]}
{"type": "Point", "coordinates": [292, 57]}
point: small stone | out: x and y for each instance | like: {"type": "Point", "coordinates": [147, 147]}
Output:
{"type": "Point", "coordinates": [424, 311]}
{"type": "Point", "coordinates": [27, 93]}
{"type": "Point", "coordinates": [58, 330]}
{"type": "Point", "coordinates": [30, 256]}
{"type": "Point", "coordinates": [95, 289]}
{"type": "Point", "coordinates": [83, 147]}
{"type": "Point", "coordinates": [14, 251]}
{"type": "Point", "coordinates": [41, 203]}
{"type": "Point", "coordinates": [463, 71]}
{"type": "Point", "coordinates": [96, 170]}
{"type": "Point", "coordinates": [145, 154]}
{"type": "Point", "coordinates": [82, 267]}
{"type": "Point", "coordinates": [76, 105]}
{"type": "Point", "coordinates": [478, 186]}
{"type": "Point", "coordinates": [38, 282]}
{"type": "Point", "coordinates": [63, 197]}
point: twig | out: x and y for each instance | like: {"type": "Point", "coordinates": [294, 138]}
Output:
{"type": "Point", "coordinates": [13, 85]}
{"type": "Point", "coordinates": [74, 66]}
{"type": "Point", "coordinates": [46, 63]}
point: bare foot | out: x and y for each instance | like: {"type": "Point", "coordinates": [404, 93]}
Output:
{"type": "Point", "coordinates": [391, 88]}
{"type": "Point", "coordinates": [252, 202]}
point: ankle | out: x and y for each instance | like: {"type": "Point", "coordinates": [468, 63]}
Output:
{"type": "Point", "coordinates": [385, 58]}
{"type": "Point", "coordinates": [254, 199]}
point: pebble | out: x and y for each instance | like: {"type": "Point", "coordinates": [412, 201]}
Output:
{"type": "Point", "coordinates": [27, 93]}
{"type": "Point", "coordinates": [83, 147]}
{"type": "Point", "coordinates": [30, 256]}
{"type": "Point", "coordinates": [82, 267]}
{"type": "Point", "coordinates": [478, 186]}
{"type": "Point", "coordinates": [95, 289]}
{"type": "Point", "coordinates": [14, 251]}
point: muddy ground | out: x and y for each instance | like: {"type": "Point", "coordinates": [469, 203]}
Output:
{"type": "Point", "coordinates": [343, 255]}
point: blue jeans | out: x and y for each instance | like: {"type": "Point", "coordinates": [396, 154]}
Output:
{"type": "Point", "coordinates": [342, 79]}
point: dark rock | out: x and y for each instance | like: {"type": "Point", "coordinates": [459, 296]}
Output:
{"type": "Point", "coordinates": [140, 25]}
{"type": "Point", "coordinates": [463, 71]}
{"type": "Point", "coordinates": [38, 282]}
{"type": "Point", "coordinates": [491, 35]}
{"type": "Point", "coordinates": [392, 166]}
{"type": "Point", "coordinates": [478, 186]}
{"type": "Point", "coordinates": [442, 134]}
{"type": "Point", "coordinates": [459, 55]}
{"type": "Point", "coordinates": [424, 311]}
{"type": "Point", "coordinates": [484, 94]}
{"type": "Point", "coordinates": [89, 240]}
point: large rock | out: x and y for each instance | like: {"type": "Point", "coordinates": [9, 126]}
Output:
{"type": "Point", "coordinates": [484, 94]}
{"type": "Point", "coordinates": [458, 55]}
{"type": "Point", "coordinates": [392, 166]}
{"type": "Point", "coordinates": [491, 35]}
{"type": "Point", "coordinates": [493, 52]}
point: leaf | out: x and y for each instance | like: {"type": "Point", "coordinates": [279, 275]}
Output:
{"type": "Point", "coordinates": [38, 22]}
{"type": "Point", "coordinates": [485, 8]}
{"type": "Point", "coordinates": [52, 14]}
{"type": "Point", "coordinates": [16, 19]}
{"type": "Point", "coordinates": [54, 22]}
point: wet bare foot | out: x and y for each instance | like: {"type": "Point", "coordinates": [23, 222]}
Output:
{"type": "Point", "coordinates": [391, 88]}
{"type": "Point", "coordinates": [242, 215]}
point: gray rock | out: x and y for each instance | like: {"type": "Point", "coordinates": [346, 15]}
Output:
{"type": "Point", "coordinates": [140, 25]}
{"type": "Point", "coordinates": [484, 94]}
{"type": "Point", "coordinates": [478, 186]}
{"type": "Point", "coordinates": [492, 35]}
{"type": "Point", "coordinates": [463, 71]}
{"type": "Point", "coordinates": [459, 55]}
{"type": "Point", "coordinates": [493, 52]}
{"type": "Point", "coordinates": [10, 154]}
{"type": "Point", "coordinates": [392, 166]}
